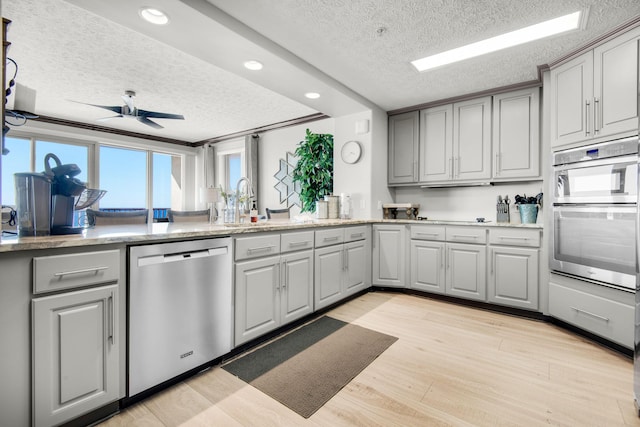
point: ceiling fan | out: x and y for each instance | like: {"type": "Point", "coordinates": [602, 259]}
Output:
{"type": "Point", "coordinates": [128, 110]}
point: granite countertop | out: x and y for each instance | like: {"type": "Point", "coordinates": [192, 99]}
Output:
{"type": "Point", "coordinates": [135, 234]}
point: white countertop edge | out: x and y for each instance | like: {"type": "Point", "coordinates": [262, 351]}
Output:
{"type": "Point", "coordinates": [139, 234]}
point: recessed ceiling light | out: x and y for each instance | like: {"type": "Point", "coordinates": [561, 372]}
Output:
{"type": "Point", "coordinates": [154, 16]}
{"type": "Point", "coordinates": [524, 35]}
{"type": "Point", "coordinates": [312, 95]}
{"type": "Point", "coordinates": [253, 65]}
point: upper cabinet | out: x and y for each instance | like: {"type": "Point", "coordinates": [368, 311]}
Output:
{"type": "Point", "coordinates": [403, 148]}
{"type": "Point", "coordinates": [516, 135]}
{"type": "Point", "coordinates": [596, 94]}
{"type": "Point", "coordinates": [455, 142]}
{"type": "Point", "coordinates": [479, 140]}
{"type": "Point", "coordinates": [472, 140]}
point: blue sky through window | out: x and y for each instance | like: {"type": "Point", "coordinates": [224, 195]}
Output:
{"type": "Point", "coordinates": [123, 173]}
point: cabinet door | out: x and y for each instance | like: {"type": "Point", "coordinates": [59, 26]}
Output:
{"type": "Point", "coordinates": [257, 298]}
{"type": "Point", "coordinates": [513, 277]}
{"type": "Point", "coordinates": [403, 148]}
{"type": "Point", "coordinates": [297, 285]}
{"type": "Point", "coordinates": [329, 266]}
{"type": "Point", "coordinates": [615, 97]}
{"type": "Point", "coordinates": [466, 271]}
{"type": "Point", "coordinates": [389, 255]}
{"type": "Point", "coordinates": [516, 136]}
{"type": "Point", "coordinates": [427, 266]}
{"type": "Point", "coordinates": [571, 103]}
{"type": "Point", "coordinates": [436, 144]}
{"type": "Point", "coordinates": [75, 354]}
{"type": "Point", "coordinates": [472, 139]}
{"type": "Point", "coordinates": [357, 256]}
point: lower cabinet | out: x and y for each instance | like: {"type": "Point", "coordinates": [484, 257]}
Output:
{"type": "Point", "coordinates": [513, 267]}
{"type": "Point", "coordinates": [466, 271]}
{"type": "Point", "coordinates": [341, 269]}
{"type": "Point", "coordinates": [427, 266]}
{"type": "Point", "coordinates": [389, 263]}
{"type": "Point", "coordinates": [75, 353]}
{"type": "Point", "coordinates": [271, 292]}
{"type": "Point", "coordinates": [513, 277]}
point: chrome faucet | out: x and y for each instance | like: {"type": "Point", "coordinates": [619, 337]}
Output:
{"type": "Point", "coordinates": [236, 215]}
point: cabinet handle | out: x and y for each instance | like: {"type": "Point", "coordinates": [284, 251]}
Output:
{"type": "Point", "coordinates": [112, 319]}
{"type": "Point", "coordinates": [261, 248]}
{"type": "Point", "coordinates": [84, 270]}
{"type": "Point", "coordinates": [276, 277]}
{"type": "Point", "coordinates": [497, 167]}
{"type": "Point", "coordinates": [441, 257]}
{"type": "Point", "coordinates": [415, 169]}
{"type": "Point", "coordinates": [513, 238]}
{"type": "Point", "coordinates": [346, 259]}
{"type": "Point", "coordinates": [330, 239]}
{"type": "Point", "coordinates": [464, 236]}
{"type": "Point", "coordinates": [586, 117]}
{"type": "Point", "coordinates": [285, 276]}
{"type": "Point", "coordinates": [596, 115]}
{"type": "Point", "coordinates": [451, 167]}
{"type": "Point", "coordinates": [606, 319]}
{"type": "Point", "coordinates": [456, 167]}
{"type": "Point", "coordinates": [301, 243]}
{"type": "Point", "coordinates": [421, 233]}
{"type": "Point", "coordinates": [447, 256]}
{"type": "Point", "coordinates": [493, 261]}
{"type": "Point", "coordinates": [354, 235]}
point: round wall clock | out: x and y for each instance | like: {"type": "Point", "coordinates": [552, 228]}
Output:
{"type": "Point", "coordinates": [351, 152]}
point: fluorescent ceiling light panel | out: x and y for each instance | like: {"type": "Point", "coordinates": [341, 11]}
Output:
{"type": "Point", "coordinates": [312, 95]}
{"type": "Point", "coordinates": [524, 35]}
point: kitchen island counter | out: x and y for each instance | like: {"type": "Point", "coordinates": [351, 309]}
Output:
{"type": "Point", "coordinates": [158, 232]}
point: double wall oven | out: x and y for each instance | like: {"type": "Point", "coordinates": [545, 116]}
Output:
{"type": "Point", "coordinates": [594, 212]}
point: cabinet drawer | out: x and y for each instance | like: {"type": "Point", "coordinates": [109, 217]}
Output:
{"type": "Point", "coordinates": [351, 234]}
{"type": "Point", "coordinates": [257, 246]}
{"type": "Point", "coordinates": [514, 237]}
{"type": "Point", "coordinates": [467, 234]}
{"type": "Point", "coordinates": [52, 273]}
{"type": "Point", "coordinates": [428, 232]}
{"type": "Point", "coordinates": [296, 241]}
{"type": "Point", "coordinates": [601, 316]}
{"type": "Point", "coordinates": [329, 237]}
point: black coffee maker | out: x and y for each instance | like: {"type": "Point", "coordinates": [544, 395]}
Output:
{"type": "Point", "coordinates": [64, 190]}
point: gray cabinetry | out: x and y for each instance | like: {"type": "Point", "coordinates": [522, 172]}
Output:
{"type": "Point", "coordinates": [436, 144]}
{"type": "Point", "coordinates": [342, 263]}
{"type": "Point", "coordinates": [595, 94]}
{"type": "Point", "coordinates": [472, 140]}
{"type": "Point", "coordinates": [449, 260]}
{"type": "Point", "coordinates": [75, 353]}
{"type": "Point", "coordinates": [513, 267]}
{"type": "Point", "coordinates": [606, 312]}
{"type": "Point", "coordinates": [403, 148]}
{"type": "Point", "coordinates": [273, 290]}
{"type": "Point", "coordinates": [516, 135]}
{"type": "Point", "coordinates": [77, 335]}
{"type": "Point", "coordinates": [389, 262]}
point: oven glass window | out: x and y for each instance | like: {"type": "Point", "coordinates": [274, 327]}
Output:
{"type": "Point", "coordinates": [602, 238]}
{"type": "Point", "coordinates": [599, 181]}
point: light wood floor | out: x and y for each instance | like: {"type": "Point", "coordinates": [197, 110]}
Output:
{"type": "Point", "coordinates": [452, 365]}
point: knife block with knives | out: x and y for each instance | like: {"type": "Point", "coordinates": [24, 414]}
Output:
{"type": "Point", "coordinates": [502, 209]}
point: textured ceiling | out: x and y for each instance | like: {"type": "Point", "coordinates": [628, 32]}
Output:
{"type": "Point", "coordinates": [93, 50]}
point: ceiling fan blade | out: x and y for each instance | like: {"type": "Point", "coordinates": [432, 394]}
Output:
{"type": "Point", "coordinates": [143, 119]}
{"type": "Point", "coordinates": [114, 108]}
{"type": "Point", "coordinates": [128, 99]}
{"type": "Point", "coordinates": [158, 115]}
{"type": "Point", "coordinates": [104, 119]}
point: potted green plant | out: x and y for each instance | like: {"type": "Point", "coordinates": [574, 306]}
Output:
{"type": "Point", "coordinates": [314, 170]}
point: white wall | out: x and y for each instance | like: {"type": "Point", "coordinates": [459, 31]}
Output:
{"type": "Point", "coordinates": [469, 203]}
{"type": "Point", "coordinates": [272, 147]}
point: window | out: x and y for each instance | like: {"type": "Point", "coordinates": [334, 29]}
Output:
{"type": "Point", "coordinates": [18, 160]}
{"type": "Point", "coordinates": [229, 164]}
{"type": "Point", "coordinates": [123, 173]}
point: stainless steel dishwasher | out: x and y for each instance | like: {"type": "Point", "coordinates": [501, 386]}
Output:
{"type": "Point", "coordinates": [180, 308]}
